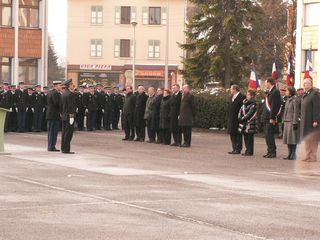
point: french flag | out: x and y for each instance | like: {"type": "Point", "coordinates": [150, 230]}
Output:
{"type": "Point", "coordinates": [254, 82]}
{"type": "Point", "coordinates": [274, 70]}
{"type": "Point", "coordinates": [289, 79]}
{"type": "Point", "coordinates": [308, 72]}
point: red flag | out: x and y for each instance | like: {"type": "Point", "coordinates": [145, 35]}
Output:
{"type": "Point", "coordinates": [290, 71]}
{"type": "Point", "coordinates": [274, 70]}
{"type": "Point", "coordinates": [308, 72]}
{"type": "Point", "coordinates": [254, 82]}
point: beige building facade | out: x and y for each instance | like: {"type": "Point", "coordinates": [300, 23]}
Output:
{"type": "Point", "coordinates": [308, 38]}
{"type": "Point", "coordinates": [101, 41]}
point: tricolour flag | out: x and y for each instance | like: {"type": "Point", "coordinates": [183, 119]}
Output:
{"type": "Point", "coordinates": [254, 82]}
{"type": "Point", "coordinates": [274, 70]}
{"type": "Point", "coordinates": [308, 72]}
{"type": "Point", "coordinates": [290, 74]}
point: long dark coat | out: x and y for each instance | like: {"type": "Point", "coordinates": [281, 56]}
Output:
{"type": "Point", "coordinates": [234, 108]}
{"type": "Point", "coordinates": [187, 110]}
{"type": "Point", "coordinates": [53, 100]}
{"type": "Point", "coordinates": [165, 110]}
{"type": "Point", "coordinates": [275, 101]}
{"type": "Point", "coordinates": [156, 112]}
{"type": "Point", "coordinates": [68, 103]}
{"type": "Point", "coordinates": [310, 112]}
{"type": "Point", "coordinates": [140, 109]}
{"type": "Point", "coordinates": [129, 104]}
{"type": "Point", "coordinates": [175, 102]}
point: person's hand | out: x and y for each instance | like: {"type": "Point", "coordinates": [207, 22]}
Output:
{"type": "Point", "coordinates": [315, 124]}
{"type": "Point", "coordinates": [295, 127]}
{"type": "Point", "coordinates": [273, 122]}
{"type": "Point", "coordinates": [32, 109]}
{"type": "Point", "coordinates": [77, 110]}
{"type": "Point", "coordinates": [71, 121]}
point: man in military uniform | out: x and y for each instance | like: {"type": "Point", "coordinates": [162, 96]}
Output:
{"type": "Point", "coordinates": [139, 121]}
{"type": "Point", "coordinates": [45, 123]}
{"type": "Point", "coordinates": [12, 122]}
{"type": "Point", "coordinates": [91, 105]}
{"type": "Point", "coordinates": [6, 102]}
{"type": "Point", "coordinates": [21, 106]}
{"type": "Point", "coordinates": [30, 109]}
{"type": "Point", "coordinates": [175, 129]}
{"type": "Point", "coordinates": [128, 114]}
{"type": "Point", "coordinates": [80, 109]}
{"type": "Point", "coordinates": [68, 112]}
{"type": "Point", "coordinates": [53, 115]}
{"type": "Point", "coordinates": [107, 108]}
{"type": "Point", "coordinates": [118, 100]}
{"type": "Point", "coordinates": [38, 99]}
{"type": "Point", "coordinates": [99, 93]}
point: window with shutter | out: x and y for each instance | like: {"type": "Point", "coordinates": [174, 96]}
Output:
{"type": "Point", "coordinates": [125, 15]}
{"type": "Point", "coordinates": [145, 15]}
{"type": "Point", "coordinates": [96, 48]}
{"type": "Point", "coordinates": [125, 48]}
{"type": "Point", "coordinates": [116, 48]}
{"type": "Point", "coordinates": [154, 15]}
{"type": "Point", "coordinates": [117, 15]}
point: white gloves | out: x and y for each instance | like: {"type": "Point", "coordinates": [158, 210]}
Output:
{"type": "Point", "coordinates": [86, 110]}
{"type": "Point", "coordinates": [16, 109]}
{"type": "Point", "coordinates": [71, 121]}
{"type": "Point", "coordinates": [102, 110]}
{"type": "Point", "coordinates": [32, 110]}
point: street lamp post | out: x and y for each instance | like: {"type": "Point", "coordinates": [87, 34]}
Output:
{"type": "Point", "coordinates": [166, 70]}
{"type": "Point", "coordinates": [134, 24]}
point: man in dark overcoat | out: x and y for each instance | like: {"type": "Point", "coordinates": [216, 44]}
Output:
{"type": "Point", "coordinates": [310, 120]}
{"type": "Point", "coordinates": [174, 115]}
{"type": "Point", "coordinates": [139, 121]}
{"type": "Point", "coordinates": [128, 114]}
{"type": "Point", "coordinates": [53, 115]}
{"type": "Point", "coordinates": [156, 116]}
{"type": "Point", "coordinates": [187, 113]}
{"type": "Point", "coordinates": [235, 105]}
{"type": "Point", "coordinates": [272, 110]}
{"type": "Point", "coordinates": [21, 105]}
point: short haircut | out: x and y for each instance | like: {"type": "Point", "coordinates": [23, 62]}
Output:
{"type": "Point", "coordinates": [252, 92]}
{"type": "Point", "coordinates": [177, 85]}
{"type": "Point", "coordinates": [300, 89]}
{"type": "Point", "coordinates": [167, 90]}
{"type": "Point", "coordinates": [235, 87]}
{"type": "Point", "coordinates": [129, 86]}
{"type": "Point", "coordinates": [292, 91]}
{"type": "Point", "coordinates": [271, 81]}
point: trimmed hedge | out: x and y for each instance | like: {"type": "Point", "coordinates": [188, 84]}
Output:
{"type": "Point", "coordinates": [212, 109]}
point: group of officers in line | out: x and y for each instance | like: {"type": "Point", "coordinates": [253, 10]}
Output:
{"type": "Point", "coordinates": [167, 114]}
{"type": "Point", "coordinates": [294, 113]}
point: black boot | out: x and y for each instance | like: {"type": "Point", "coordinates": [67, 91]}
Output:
{"type": "Point", "coordinates": [290, 152]}
{"type": "Point", "coordinates": [293, 155]}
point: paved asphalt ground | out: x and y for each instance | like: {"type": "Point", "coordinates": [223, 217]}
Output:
{"type": "Point", "coordinates": [123, 190]}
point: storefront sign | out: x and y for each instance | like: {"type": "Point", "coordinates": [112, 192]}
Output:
{"type": "Point", "coordinates": [150, 73]}
{"type": "Point", "coordinates": [106, 79]}
{"type": "Point", "coordinates": [95, 67]}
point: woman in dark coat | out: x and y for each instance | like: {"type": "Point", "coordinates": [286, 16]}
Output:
{"type": "Point", "coordinates": [165, 117]}
{"type": "Point", "coordinates": [247, 121]}
{"type": "Point", "coordinates": [290, 118]}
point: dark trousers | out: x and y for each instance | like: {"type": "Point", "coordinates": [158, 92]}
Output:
{"type": "Point", "coordinates": [80, 119]}
{"type": "Point", "coordinates": [128, 126]}
{"type": "Point", "coordinates": [159, 134]}
{"type": "Point", "coordinates": [116, 118]}
{"type": "Point", "coordinates": [270, 131]}
{"type": "Point", "coordinates": [37, 120]}
{"type": "Point", "coordinates": [151, 131]}
{"type": "Point", "coordinates": [141, 132]}
{"type": "Point", "coordinates": [99, 115]}
{"type": "Point", "coordinates": [12, 122]}
{"type": "Point", "coordinates": [187, 134]}
{"type": "Point", "coordinates": [21, 115]}
{"type": "Point", "coordinates": [107, 119]}
{"type": "Point", "coordinates": [44, 121]}
{"type": "Point", "coordinates": [166, 136]}
{"type": "Point", "coordinates": [6, 123]}
{"type": "Point", "coordinates": [67, 133]}
{"type": "Point", "coordinates": [29, 120]}
{"type": "Point", "coordinates": [249, 142]}
{"type": "Point", "coordinates": [236, 140]}
{"type": "Point", "coordinates": [53, 129]}
{"type": "Point", "coordinates": [176, 134]}
{"type": "Point", "coordinates": [91, 120]}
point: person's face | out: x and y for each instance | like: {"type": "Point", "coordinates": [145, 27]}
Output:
{"type": "Point", "coordinates": [249, 97]}
{"type": "Point", "coordinates": [175, 89]}
{"type": "Point", "coordinates": [287, 93]}
{"type": "Point", "coordinates": [45, 91]}
{"type": "Point", "coordinates": [109, 91]}
{"type": "Point", "coordinates": [13, 89]}
{"type": "Point", "coordinates": [72, 87]}
{"type": "Point", "coordinates": [38, 89]}
{"type": "Point", "coordinates": [91, 89]}
{"type": "Point", "coordinates": [21, 86]}
{"type": "Point", "coordinates": [300, 92]}
{"type": "Point", "coordinates": [165, 94]}
{"type": "Point", "coordinates": [81, 90]}
{"type": "Point", "coordinates": [140, 89]}
{"type": "Point", "coordinates": [307, 85]}
{"type": "Point", "coordinates": [99, 88]}
{"type": "Point", "coordinates": [283, 93]}
{"type": "Point", "coordinates": [233, 91]}
{"type": "Point", "coordinates": [129, 90]}
{"type": "Point", "coordinates": [159, 91]}
{"type": "Point", "coordinates": [30, 91]}
{"type": "Point", "coordinates": [268, 85]}
{"type": "Point", "coordinates": [5, 87]}
{"type": "Point", "coordinates": [58, 87]}
{"type": "Point", "coordinates": [116, 90]}
{"type": "Point", "coordinates": [150, 91]}
{"type": "Point", "coordinates": [186, 89]}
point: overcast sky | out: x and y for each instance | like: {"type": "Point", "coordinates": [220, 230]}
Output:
{"type": "Point", "coordinates": [58, 25]}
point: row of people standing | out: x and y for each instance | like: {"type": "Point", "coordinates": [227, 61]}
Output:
{"type": "Point", "coordinates": [300, 115]}
{"type": "Point", "coordinates": [166, 115]}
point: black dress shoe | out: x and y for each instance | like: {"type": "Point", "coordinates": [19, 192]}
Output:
{"type": "Point", "coordinates": [272, 155]}
{"type": "Point", "coordinates": [287, 158]}
{"type": "Point", "coordinates": [68, 152]}
{"type": "Point", "coordinates": [265, 156]}
{"type": "Point", "coordinates": [185, 145]}
{"type": "Point", "coordinates": [234, 152]}
{"type": "Point", "coordinates": [54, 150]}
{"type": "Point", "coordinates": [247, 154]}
{"type": "Point", "coordinates": [125, 139]}
{"type": "Point", "coordinates": [137, 140]}
{"type": "Point", "coordinates": [130, 139]}
{"type": "Point", "coordinates": [174, 144]}
{"type": "Point", "coordinates": [151, 141]}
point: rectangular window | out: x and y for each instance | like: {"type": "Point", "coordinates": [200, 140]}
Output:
{"type": "Point", "coordinates": [154, 49]}
{"type": "Point", "coordinates": [125, 15]}
{"type": "Point", "coordinates": [5, 12]}
{"type": "Point", "coordinates": [96, 14]}
{"type": "Point", "coordinates": [96, 48]}
{"type": "Point", "coordinates": [125, 48]}
{"type": "Point", "coordinates": [5, 69]}
{"type": "Point", "coordinates": [154, 15]}
{"type": "Point", "coordinates": [28, 71]}
{"type": "Point", "coordinates": [312, 14]}
{"type": "Point", "coordinates": [29, 13]}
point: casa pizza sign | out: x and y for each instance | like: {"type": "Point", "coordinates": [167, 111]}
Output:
{"type": "Point", "coordinates": [95, 67]}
